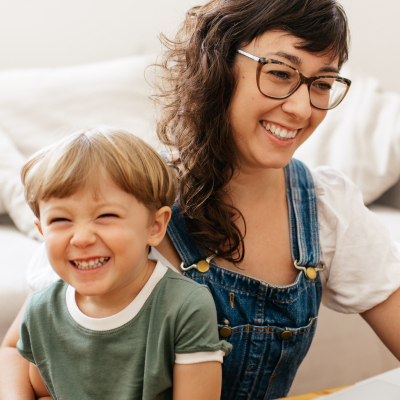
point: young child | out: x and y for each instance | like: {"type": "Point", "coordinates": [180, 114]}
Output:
{"type": "Point", "coordinates": [117, 325]}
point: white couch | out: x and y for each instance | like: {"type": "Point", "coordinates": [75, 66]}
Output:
{"type": "Point", "coordinates": [38, 106]}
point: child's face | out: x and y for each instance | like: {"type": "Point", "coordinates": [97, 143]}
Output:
{"type": "Point", "coordinates": [98, 245]}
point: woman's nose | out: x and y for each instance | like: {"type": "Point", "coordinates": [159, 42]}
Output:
{"type": "Point", "coordinates": [83, 237]}
{"type": "Point", "coordinates": [298, 104]}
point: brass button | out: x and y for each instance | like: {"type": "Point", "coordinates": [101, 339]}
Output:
{"type": "Point", "coordinates": [203, 266]}
{"type": "Point", "coordinates": [225, 331]}
{"type": "Point", "coordinates": [311, 273]}
{"type": "Point", "coordinates": [286, 335]}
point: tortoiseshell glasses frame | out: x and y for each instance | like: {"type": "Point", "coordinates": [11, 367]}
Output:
{"type": "Point", "coordinates": [328, 90]}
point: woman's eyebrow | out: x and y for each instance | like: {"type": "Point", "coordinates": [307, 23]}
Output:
{"type": "Point", "coordinates": [298, 62]}
{"type": "Point", "coordinates": [329, 68]}
{"type": "Point", "coordinates": [290, 57]}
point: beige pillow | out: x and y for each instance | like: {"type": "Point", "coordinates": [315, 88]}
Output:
{"type": "Point", "coordinates": [38, 106]}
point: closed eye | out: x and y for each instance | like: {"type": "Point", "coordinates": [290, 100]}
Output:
{"type": "Point", "coordinates": [108, 215]}
{"type": "Point", "coordinates": [59, 220]}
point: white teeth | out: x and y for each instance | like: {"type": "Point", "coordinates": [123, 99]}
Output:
{"type": "Point", "coordinates": [91, 264]}
{"type": "Point", "coordinates": [280, 133]}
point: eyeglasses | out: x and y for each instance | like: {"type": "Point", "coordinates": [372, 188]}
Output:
{"type": "Point", "coordinates": [278, 80]}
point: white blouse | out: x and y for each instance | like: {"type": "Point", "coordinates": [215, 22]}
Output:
{"type": "Point", "coordinates": [362, 261]}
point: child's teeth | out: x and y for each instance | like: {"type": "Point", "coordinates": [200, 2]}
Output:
{"type": "Point", "coordinates": [91, 264]}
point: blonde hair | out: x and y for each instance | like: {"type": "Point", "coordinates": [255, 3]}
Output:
{"type": "Point", "coordinates": [78, 160]}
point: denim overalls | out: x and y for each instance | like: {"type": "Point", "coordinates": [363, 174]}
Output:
{"type": "Point", "coordinates": [270, 327]}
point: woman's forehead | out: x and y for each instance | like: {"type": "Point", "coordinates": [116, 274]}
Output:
{"type": "Point", "coordinates": [284, 47]}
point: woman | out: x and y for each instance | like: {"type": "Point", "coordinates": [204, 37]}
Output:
{"type": "Point", "coordinates": [267, 236]}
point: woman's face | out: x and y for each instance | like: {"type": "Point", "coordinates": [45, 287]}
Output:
{"type": "Point", "coordinates": [252, 115]}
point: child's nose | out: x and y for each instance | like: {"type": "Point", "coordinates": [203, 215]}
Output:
{"type": "Point", "coordinates": [83, 237]}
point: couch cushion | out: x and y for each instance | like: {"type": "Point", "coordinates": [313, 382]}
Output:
{"type": "Point", "coordinates": [16, 249]}
{"type": "Point", "coordinates": [12, 198]}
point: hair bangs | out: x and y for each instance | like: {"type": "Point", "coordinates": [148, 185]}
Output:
{"type": "Point", "coordinates": [78, 161]}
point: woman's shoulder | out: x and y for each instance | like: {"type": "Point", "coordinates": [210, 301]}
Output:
{"type": "Point", "coordinates": [328, 179]}
{"type": "Point", "coordinates": [336, 191]}
{"type": "Point", "coordinates": [361, 258]}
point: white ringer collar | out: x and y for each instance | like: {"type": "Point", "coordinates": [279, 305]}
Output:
{"type": "Point", "coordinates": [124, 316]}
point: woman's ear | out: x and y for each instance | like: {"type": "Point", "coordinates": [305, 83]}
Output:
{"type": "Point", "coordinates": [159, 226]}
{"type": "Point", "coordinates": [37, 223]}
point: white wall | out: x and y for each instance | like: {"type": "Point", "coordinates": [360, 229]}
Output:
{"type": "Point", "coordinates": [375, 32]}
{"type": "Point", "coordinates": [52, 33]}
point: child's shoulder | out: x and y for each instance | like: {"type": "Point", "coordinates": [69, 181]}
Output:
{"type": "Point", "coordinates": [176, 278]}
{"type": "Point", "coordinates": [184, 287]}
{"type": "Point", "coordinates": [49, 295]}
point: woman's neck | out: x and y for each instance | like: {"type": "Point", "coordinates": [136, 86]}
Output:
{"type": "Point", "coordinates": [250, 185]}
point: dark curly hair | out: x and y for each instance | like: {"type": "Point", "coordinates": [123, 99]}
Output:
{"type": "Point", "coordinates": [195, 86]}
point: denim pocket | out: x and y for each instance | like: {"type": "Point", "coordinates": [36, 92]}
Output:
{"type": "Point", "coordinates": [264, 360]}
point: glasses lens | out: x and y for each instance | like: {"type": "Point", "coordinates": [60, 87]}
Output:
{"type": "Point", "coordinates": [327, 93]}
{"type": "Point", "coordinates": [277, 80]}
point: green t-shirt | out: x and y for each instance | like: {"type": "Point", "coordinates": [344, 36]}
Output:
{"type": "Point", "coordinates": [127, 356]}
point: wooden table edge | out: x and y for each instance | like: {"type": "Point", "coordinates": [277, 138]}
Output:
{"type": "Point", "coordinates": [313, 395]}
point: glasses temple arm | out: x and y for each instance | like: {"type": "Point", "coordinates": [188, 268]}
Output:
{"type": "Point", "coordinates": [249, 55]}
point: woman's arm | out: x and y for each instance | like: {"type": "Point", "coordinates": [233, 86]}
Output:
{"type": "Point", "coordinates": [197, 381]}
{"type": "Point", "coordinates": [384, 319]}
{"type": "Point", "coordinates": [14, 369]}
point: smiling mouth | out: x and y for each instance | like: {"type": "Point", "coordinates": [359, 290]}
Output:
{"type": "Point", "coordinates": [91, 264]}
{"type": "Point", "coordinates": [278, 132]}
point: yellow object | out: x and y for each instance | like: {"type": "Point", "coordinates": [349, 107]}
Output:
{"type": "Point", "coordinates": [225, 331]}
{"type": "Point", "coordinates": [285, 335]}
{"type": "Point", "coordinates": [203, 266]}
{"type": "Point", "coordinates": [311, 273]}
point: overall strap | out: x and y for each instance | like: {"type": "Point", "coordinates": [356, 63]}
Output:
{"type": "Point", "coordinates": [186, 247]}
{"type": "Point", "coordinates": [303, 217]}
{"type": "Point", "coordinates": [184, 243]}
{"type": "Point", "coordinates": [189, 251]}
{"type": "Point", "coordinates": [303, 214]}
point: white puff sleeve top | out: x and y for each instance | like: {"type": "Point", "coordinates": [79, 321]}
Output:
{"type": "Point", "coordinates": [362, 261]}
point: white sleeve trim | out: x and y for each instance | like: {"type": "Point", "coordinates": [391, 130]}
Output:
{"type": "Point", "coordinates": [203, 356]}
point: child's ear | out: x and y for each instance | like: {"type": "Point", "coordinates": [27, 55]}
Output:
{"type": "Point", "coordinates": [37, 223]}
{"type": "Point", "coordinates": [159, 226]}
